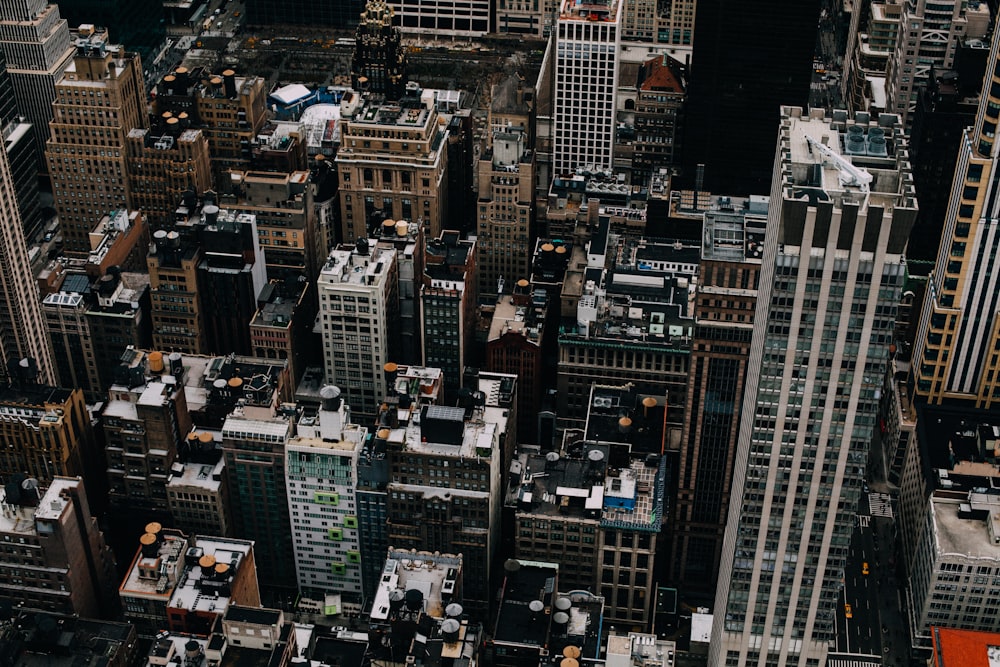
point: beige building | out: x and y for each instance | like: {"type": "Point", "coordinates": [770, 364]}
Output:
{"type": "Point", "coordinates": [506, 184]}
{"type": "Point", "coordinates": [60, 564]}
{"type": "Point", "coordinates": [286, 219]}
{"type": "Point", "coordinates": [162, 163]}
{"type": "Point", "coordinates": [197, 490]}
{"type": "Point", "coordinates": [393, 158]}
{"type": "Point", "coordinates": [99, 100]}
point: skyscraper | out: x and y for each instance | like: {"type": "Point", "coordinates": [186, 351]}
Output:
{"type": "Point", "coordinates": [99, 99]}
{"type": "Point", "coordinates": [378, 54]}
{"type": "Point", "coordinates": [38, 46]}
{"type": "Point", "coordinates": [840, 212]}
{"type": "Point", "coordinates": [956, 346]}
{"type": "Point", "coordinates": [22, 329]}
{"type": "Point", "coordinates": [747, 62]}
{"type": "Point", "coordinates": [585, 84]}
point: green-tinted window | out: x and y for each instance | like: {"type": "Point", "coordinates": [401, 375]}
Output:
{"type": "Point", "coordinates": [338, 567]}
{"type": "Point", "coordinates": [336, 534]}
{"type": "Point", "coordinates": [350, 521]}
{"type": "Point", "coordinates": [326, 498]}
{"type": "Point", "coordinates": [354, 556]}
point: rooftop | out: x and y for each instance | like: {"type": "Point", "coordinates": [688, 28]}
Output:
{"type": "Point", "coordinates": [969, 528]}
{"type": "Point", "coordinates": [24, 503]}
{"type": "Point", "coordinates": [363, 264]}
{"type": "Point", "coordinates": [524, 316]}
{"type": "Point", "coordinates": [436, 576]}
{"type": "Point", "coordinates": [205, 585]}
{"type": "Point", "coordinates": [518, 620]}
{"type": "Point", "coordinates": [967, 648]}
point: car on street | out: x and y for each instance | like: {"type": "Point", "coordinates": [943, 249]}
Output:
{"type": "Point", "coordinates": [48, 237]}
{"type": "Point", "coordinates": [864, 568]}
{"type": "Point", "coordinates": [848, 612]}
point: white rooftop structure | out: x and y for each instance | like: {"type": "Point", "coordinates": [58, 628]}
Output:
{"type": "Point", "coordinates": [435, 575]}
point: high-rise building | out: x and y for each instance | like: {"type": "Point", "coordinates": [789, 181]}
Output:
{"type": "Point", "coordinates": [724, 306]}
{"type": "Point", "coordinates": [99, 100]}
{"type": "Point", "coordinates": [253, 443]}
{"type": "Point", "coordinates": [533, 20]}
{"type": "Point", "coordinates": [320, 475]}
{"type": "Point", "coordinates": [282, 326]}
{"type": "Point", "coordinates": [744, 66]}
{"type": "Point", "coordinates": [954, 355]}
{"type": "Point", "coordinates": [409, 388]}
{"type": "Point", "coordinates": [649, 129]}
{"type": "Point", "coordinates": [506, 211]}
{"type": "Point", "coordinates": [458, 451]}
{"type": "Point", "coordinates": [37, 44]}
{"type": "Point", "coordinates": [230, 110]}
{"type": "Point", "coordinates": [22, 328]}
{"type": "Point", "coordinates": [68, 327]}
{"type": "Point", "coordinates": [675, 21]}
{"type": "Point", "coordinates": [931, 30]}
{"type": "Point", "coordinates": [830, 280]}
{"type": "Point", "coordinates": [392, 160]}
{"type": "Point", "coordinates": [164, 162]}
{"type": "Point", "coordinates": [407, 240]}
{"type": "Point", "coordinates": [198, 490]}
{"type": "Point", "coordinates": [139, 24]}
{"type": "Point", "coordinates": [61, 564]}
{"type": "Point", "coordinates": [585, 85]}
{"type": "Point", "coordinates": [378, 55]}
{"type": "Point", "coordinates": [359, 311]}
{"type": "Point", "coordinates": [871, 42]}
{"type": "Point", "coordinates": [22, 153]}
{"type": "Point", "coordinates": [448, 300]}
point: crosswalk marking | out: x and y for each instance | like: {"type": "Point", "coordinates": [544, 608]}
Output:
{"type": "Point", "coordinates": [864, 520]}
{"type": "Point", "coordinates": [880, 504]}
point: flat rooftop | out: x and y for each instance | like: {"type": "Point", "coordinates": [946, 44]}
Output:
{"type": "Point", "coordinates": [22, 515]}
{"type": "Point", "coordinates": [425, 572]}
{"type": "Point", "coordinates": [963, 537]}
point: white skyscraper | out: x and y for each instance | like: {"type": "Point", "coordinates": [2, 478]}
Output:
{"type": "Point", "coordinates": [841, 208]}
{"type": "Point", "coordinates": [585, 83]}
{"type": "Point", "coordinates": [321, 477]}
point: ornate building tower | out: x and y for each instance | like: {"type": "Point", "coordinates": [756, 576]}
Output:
{"type": "Point", "coordinates": [379, 62]}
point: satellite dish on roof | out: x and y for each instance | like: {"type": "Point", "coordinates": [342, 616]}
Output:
{"type": "Point", "coordinates": [595, 456]}
{"type": "Point", "coordinates": [536, 606]}
{"type": "Point", "coordinates": [552, 457]}
{"type": "Point", "coordinates": [512, 565]}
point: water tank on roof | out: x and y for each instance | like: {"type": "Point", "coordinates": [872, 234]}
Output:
{"type": "Point", "coordinates": [414, 600]}
{"type": "Point", "coordinates": [449, 630]}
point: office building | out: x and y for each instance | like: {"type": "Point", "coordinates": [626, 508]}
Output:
{"type": "Point", "coordinates": [163, 163]}
{"type": "Point", "coordinates": [99, 100]}
{"type": "Point", "coordinates": [810, 406]}
{"type": "Point", "coordinates": [436, 576]}
{"type": "Point", "coordinates": [514, 346]}
{"type": "Point", "coordinates": [407, 240]}
{"type": "Point", "coordinates": [953, 359]}
{"type": "Point", "coordinates": [197, 491]}
{"type": "Point", "coordinates": [184, 583]}
{"type": "Point", "coordinates": [359, 321]}
{"type": "Point", "coordinates": [460, 451]}
{"type": "Point", "coordinates": [393, 161]}
{"type": "Point", "coordinates": [23, 154]}
{"type": "Point", "coordinates": [61, 564]}
{"type": "Point", "coordinates": [139, 25]}
{"type": "Point", "coordinates": [744, 66]}
{"type": "Point", "coordinates": [320, 475]}
{"type": "Point", "coordinates": [632, 321]}
{"type": "Point", "coordinates": [145, 420]}
{"type": "Point", "coordinates": [675, 23]}
{"type": "Point", "coordinates": [595, 511]}
{"type": "Point", "coordinates": [505, 216]}
{"type": "Point", "coordinates": [585, 85]}
{"type": "Point", "coordinates": [38, 47]}
{"type": "Point", "coordinates": [253, 443]}
{"type": "Point", "coordinates": [287, 222]}
{"type": "Point", "coordinates": [409, 388]}
{"type": "Point", "coordinates": [22, 329]}
{"type": "Point", "coordinates": [871, 42]}
{"type": "Point", "coordinates": [931, 30]}
{"type": "Point", "coordinates": [379, 56]}
{"type": "Point", "coordinates": [725, 300]}
{"type": "Point", "coordinates": [119, 318]}
{"type": "Point", "coordinates": [650, 115]}
{"type": "Point", "coordinates": [448, 300]}
{"type": "Point", "coordinates": [529, 630]}
{"type": "Point", "coordinates": [229, 110]}
{"type": "Point", "coordinates": [47, 431]}
{"type": "Point", "coordinates": [282, 326]}
{"type": "Point", "coordinates": [68, 327]}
